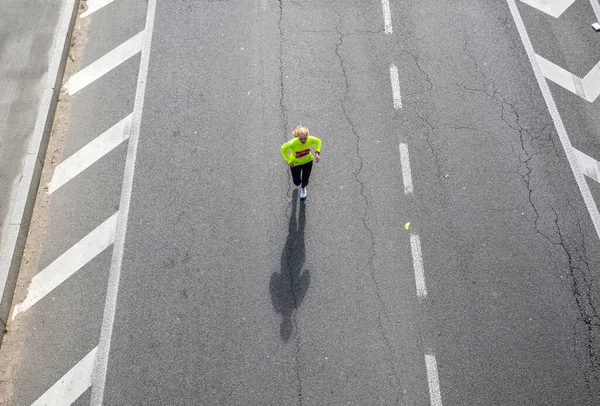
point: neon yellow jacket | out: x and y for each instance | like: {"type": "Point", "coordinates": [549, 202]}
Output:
{"type": "Point", "coordinates": [299, 153]}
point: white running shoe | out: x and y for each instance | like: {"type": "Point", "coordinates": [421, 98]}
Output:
{"type": "Point", "coordinates": [303, 193]}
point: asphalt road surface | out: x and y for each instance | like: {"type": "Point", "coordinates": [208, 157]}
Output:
{"type": "Point", "coordinates": [225, 288]}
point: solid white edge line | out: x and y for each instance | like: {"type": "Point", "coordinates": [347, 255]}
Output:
{"type": "Point", "coordinates": [89, 154]}
{"type": "Point", "coordinates": [104, 64]}
{"type": "Point", "coordinates": [395, 86]}
{"type": "Point", "coordinates": [433, 380]}
{"type": "Point", "coordinates": [406, 172]}
{"type": "Point", "coordinates": [558, 124]}
{"type": "Point", "coordinates": [100, 371]}
{"type": "Point", "coordinates": [387, 16]}
{"type": "Point", "coordinates": [94, 5]}
{"type": "Point", "coordinates": [68, 264]}
{"type": "Point", "coordinates": [72, 385]}
{"type": "Point", "coordinates": [415, 246]}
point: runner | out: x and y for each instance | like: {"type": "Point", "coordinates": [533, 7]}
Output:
{"type": "Point", "coordinates": [298, 156]}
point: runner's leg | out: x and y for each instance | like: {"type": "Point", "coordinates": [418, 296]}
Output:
{"type": "Point", "coordinates": [306, 169]}
{"type": "Point", "coordinates": [296, 174]}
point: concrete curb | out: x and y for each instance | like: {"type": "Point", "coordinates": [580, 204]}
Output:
{"type": "Point", "coordinates": [18, 227]}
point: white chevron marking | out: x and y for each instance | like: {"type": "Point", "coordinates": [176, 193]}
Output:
{"type": "Point", "coordinates": [589, 166]}
{"type": "Point", "coordinates": [553, 7]}
{"type": "Point", "coordinates": [587, 88]}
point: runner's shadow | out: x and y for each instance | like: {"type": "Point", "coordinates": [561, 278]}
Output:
{"type": "Point", "coordinates": [289, 287]}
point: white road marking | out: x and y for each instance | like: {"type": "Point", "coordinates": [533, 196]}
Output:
{"type": "Point", "coordinates": [72, 385]}
{"type": "Point", "coordinates": [553, 7]}
{"type": "Point", "coordinates": [433, 380]}
{"type": "Point", "coordinates": [406, 173]}
{"type": "Point", "coordinates": [415, 246]}
{"type": "Point", "coordinates": [395, 86]}
{"type": "Point", "coordinates": [596, 8]}
{"type": "Point", "coordinates": [68, 263]}
{"type": "Point", "coordinates": [105, 64]}
{"type": "Point", "coordinates": [587, 88]}
{"type": "Point", "coordinates": [94, 5]}
{"type": "Point", "coordinates": [558, 124]}
{"type": "Point", "coordinates": [86, 156]}
{"type": "Point", "coordinates": [589, 165]}
{"type": "Point", "coordinates": [100, 371]}
{"type": "Point", "coordinates": [387, 16]}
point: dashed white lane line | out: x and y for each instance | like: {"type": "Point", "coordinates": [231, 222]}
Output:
{"type": "Point", "coordinates": [434, 382]}
{"type": "Point", "coordinates": [395, 86]}
{"type": "Point", "coordinates": [553, 7]}
{"type": "Point", "coordinates": [589, 166]}
{"type": "Point", "coordinates": [92, 152]}
{"type": "Point", "coordinates": [558, 124]}
{"type": "Point", "coordinates": [415, 246]}
{"type": "Point", "coordinates": [94, 5]}
{"type": "Point", "coordinates": [72, 385]}
{"type": "Point", "coordinates": [68, 263]}
{"type": "Point", "coordinates": [406, 173]}
{"type": "Point", "coordinates": [110, 307]}
{"type": "Point", "coordinates": [587, 88]}
{"type": "Point", "coordinates": [387, 16]}
{"type": "Point", "coordinates": [105, 64]}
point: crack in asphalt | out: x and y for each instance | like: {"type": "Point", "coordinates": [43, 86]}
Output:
{"type": "Point", "coordinates": [580, 274]}
{"type": "Point", "coordinates": [526, 137]}
{"type": "Point", "coordinates": [428, 138]}
{"type": "Point", "coordinates": [579, 269]}
{"type": "Point", "coordinates": [281, 76]}
{"type": "Point", "coordinates": [416, 58]}
{"type": "Point", "coordinates": [576, 255]}
{"type": "Point", "coordinates": [364, 216]}
{"type": "Point", "coordinates": [289, 195]}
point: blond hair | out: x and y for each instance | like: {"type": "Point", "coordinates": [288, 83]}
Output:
{"type": "Point", "coordinates": [300, 130]}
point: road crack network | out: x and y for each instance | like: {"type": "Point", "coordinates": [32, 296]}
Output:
{"type": "Point", "coordinates": [416, 58]}
{"type": "Point", "coordinates": [579, 268]}
{"type": "Point", "coordinates": [297, 341]}
{"type": "Point", "coordinates": [532, 145]}
{"type": "Point", "coordinates": [365, 213]}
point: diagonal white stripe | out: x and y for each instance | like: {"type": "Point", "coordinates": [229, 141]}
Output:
{"type": "Point", "coordinates": [553, 7]}
{"type": "Point", "coordinates": [105, 64]}
{"type": "Point", "coordinates": [86, 156]}
{"type": "Point", "coordinates": [72, 385]}
{"type": "Point", "coordinates": [68, 263]}
{"type": "Point", "coordinates": [94, 5]}
{"type": "Point", "coordinates": [589, 166]}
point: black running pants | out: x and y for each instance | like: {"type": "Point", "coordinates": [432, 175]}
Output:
{"type": "Point", "coordinates": [301, 173]}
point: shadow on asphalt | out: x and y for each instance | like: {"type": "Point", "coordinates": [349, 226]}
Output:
{"type": "Point", "coordinates": [289, 287]}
